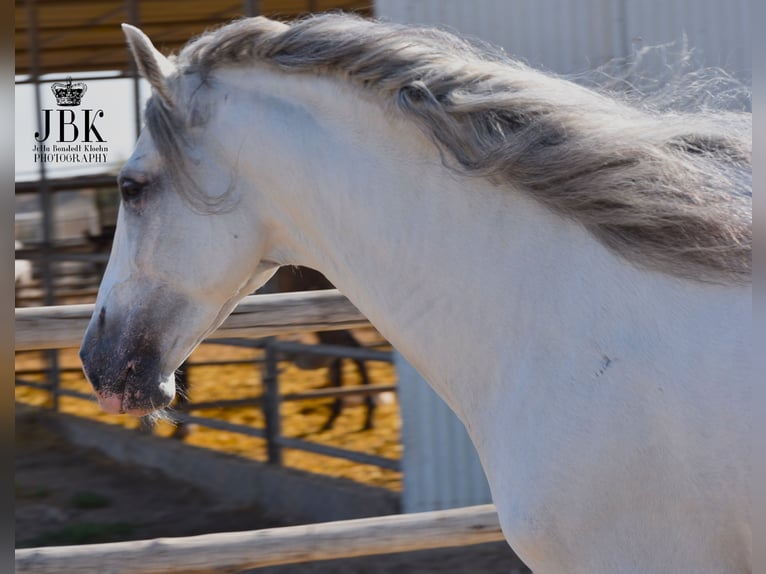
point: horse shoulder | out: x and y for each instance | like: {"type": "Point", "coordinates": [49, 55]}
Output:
{"type": "Point", "coordinates": [638, 446]}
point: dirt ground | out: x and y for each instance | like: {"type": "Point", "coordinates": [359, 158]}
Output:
{"type": "Point", "coordinates": [70, 495]}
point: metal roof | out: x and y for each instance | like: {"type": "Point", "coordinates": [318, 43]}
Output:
{"type": "Point", "coordinates": [84, 35]}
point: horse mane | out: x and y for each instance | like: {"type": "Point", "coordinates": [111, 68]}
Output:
{"type": "Point", "coordinates": [667, 189]}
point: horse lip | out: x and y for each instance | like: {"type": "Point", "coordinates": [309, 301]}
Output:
{"type": "Point", "coordinates": [137, 399]}
{"type": "Point", "coordinates": [114, 405]}
{"type": "Point", "coordinates": [138, 412]}
{"type": "Point", "coordinates": [119, 404]}
{"type": "Point", "coordinates": [111, 403]}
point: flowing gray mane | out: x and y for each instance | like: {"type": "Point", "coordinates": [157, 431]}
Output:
{"type": "Point", "coordinates": [667, 190]}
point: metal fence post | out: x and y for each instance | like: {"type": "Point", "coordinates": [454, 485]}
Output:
{"type": "Point", "coordinates": [271, 402]}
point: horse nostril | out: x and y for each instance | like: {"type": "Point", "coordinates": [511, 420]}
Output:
{"type": "Point", "coordinates": [102, 317]}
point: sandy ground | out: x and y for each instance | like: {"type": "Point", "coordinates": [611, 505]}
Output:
{"type": "Point", "coordinates": [69, 495]}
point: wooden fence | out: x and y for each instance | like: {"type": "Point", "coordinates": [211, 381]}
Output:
{"type": "Point", "coordinates": [265, 316]}
{"type": "Point", "coordinates": [63, 326]}
{"type": "Point", "coordinates": [236, 551]}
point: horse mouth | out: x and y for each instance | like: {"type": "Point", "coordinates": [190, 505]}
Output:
{"type": "Point", "coordinates": [126, 354]}
{"type": "Point", "coordinates": [137, 400]}
{"type": "Point", "coordinates": [134, 385]}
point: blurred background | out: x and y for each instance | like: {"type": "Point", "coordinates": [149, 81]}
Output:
{"type": "Point", "coordinates": [275, 431]}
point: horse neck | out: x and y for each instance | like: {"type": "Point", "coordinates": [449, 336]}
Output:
{"type": "Point", "coordinates": [454, 271]}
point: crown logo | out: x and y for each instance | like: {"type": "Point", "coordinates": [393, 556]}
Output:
{"type": "Point", "coordinates": [69, 94]}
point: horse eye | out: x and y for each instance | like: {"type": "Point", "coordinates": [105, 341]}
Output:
{"type": "Point", "coordinates": [131, 189]}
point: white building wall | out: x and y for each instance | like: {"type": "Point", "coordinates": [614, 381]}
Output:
{"type": "Point", "coordinates": [441, 468]}
{"type": "Point", "coordinates": [435, 443]}
{"type": "Point", "coordinates": [718, 31]}
{"type": "Point", "coordinates": [568, 36]}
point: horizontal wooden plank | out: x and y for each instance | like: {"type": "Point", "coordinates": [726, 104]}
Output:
{"type": "Point", "coordinates": [63, 326]}
{"type": "Point", "coordinates": [229, 552]}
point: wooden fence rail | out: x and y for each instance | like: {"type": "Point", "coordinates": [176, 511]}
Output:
{"type": "Point", "coordinates": [258, 316]}
{"type": "Point", "coordinates": [236, 551]}
{"type": "Point", "coordinates": [61, 327]}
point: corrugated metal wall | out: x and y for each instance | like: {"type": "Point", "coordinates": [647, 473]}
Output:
{"type": "Point", "coordinates": [719, 32]}
{"type": "Point", "coordinates": [441, 468]}
{"type": "Point", "coordinates": [569, 36]}
{"type": "Point", "coordinates": [435, 443]}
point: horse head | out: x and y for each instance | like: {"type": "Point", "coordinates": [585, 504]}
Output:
{"type": "Point", "coordinates": [167, 284]}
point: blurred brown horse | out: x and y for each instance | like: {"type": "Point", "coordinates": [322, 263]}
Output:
{"type": "Point", "coordinates": [289, 279]}
{"type": "Point", "coordinates": [304, 279]}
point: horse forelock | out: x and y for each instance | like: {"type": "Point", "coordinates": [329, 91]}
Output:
{"type": "Point", "coordinates": [668, 189]}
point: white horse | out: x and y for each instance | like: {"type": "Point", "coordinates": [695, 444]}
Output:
{"type": "Point", "coordinates": [569, 272]}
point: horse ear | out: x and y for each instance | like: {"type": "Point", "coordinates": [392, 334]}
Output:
{"type": "Point", "coordinates": [151, 64]}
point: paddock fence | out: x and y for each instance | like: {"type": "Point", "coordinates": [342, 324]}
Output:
{"type": "Point", "coordinates": [63, 326]}
{"type": "Point", "coordinates": [237, 551]}
{"type": "Point", "coordinates": [254, 323]}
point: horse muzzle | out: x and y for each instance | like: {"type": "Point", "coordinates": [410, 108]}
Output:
{"type": "Point", "coordinates": [123, 356]}
{"type": "Point", "coordinates": [129, 382]}
{"type": "Point", "coordinates": [133, 389]}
